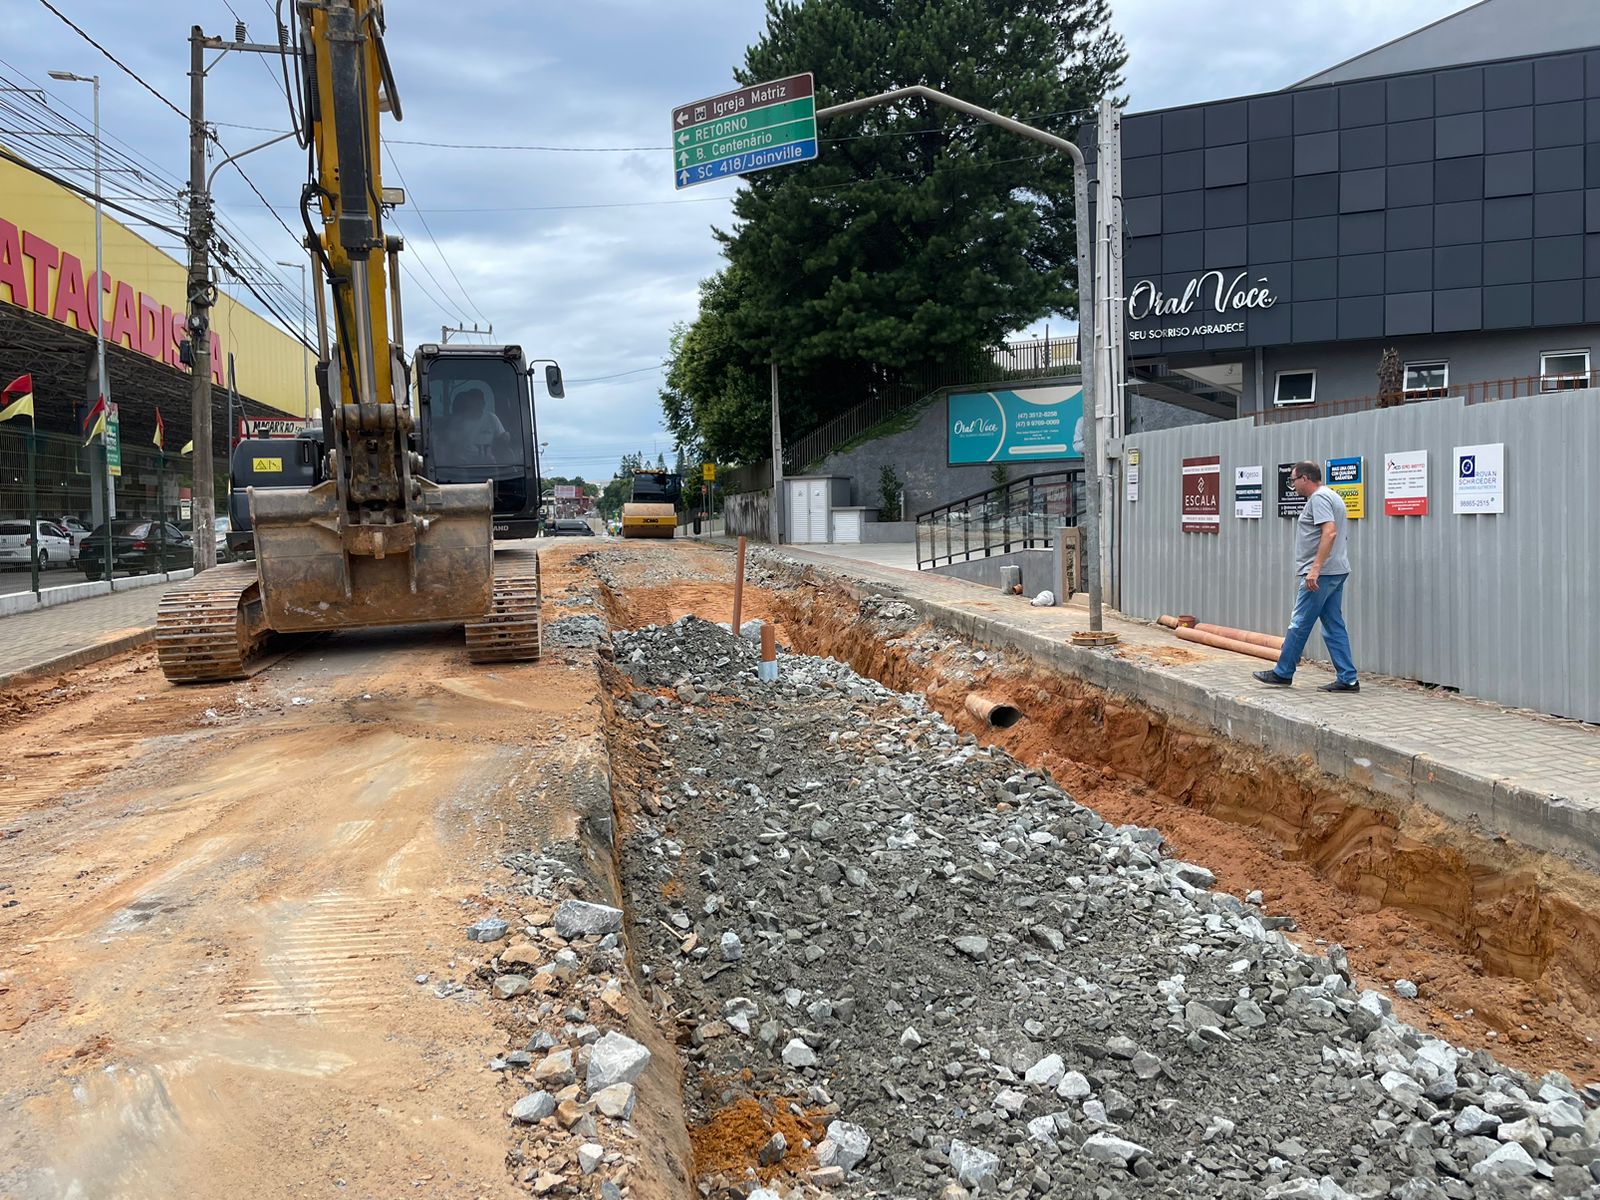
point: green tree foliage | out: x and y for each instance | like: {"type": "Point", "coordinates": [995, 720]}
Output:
{"type": "Point", "coordinates": [919, 236]}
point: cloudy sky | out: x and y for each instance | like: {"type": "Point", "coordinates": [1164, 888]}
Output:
{"type": "Point", "coordinates": [572, 240]}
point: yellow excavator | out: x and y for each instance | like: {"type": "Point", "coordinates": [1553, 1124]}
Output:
{"type": "Point", "coordinates": [653, 511]}
{"type": "Point", "coordinates": [373, 542]}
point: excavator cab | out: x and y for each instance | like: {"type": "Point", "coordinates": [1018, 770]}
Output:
{"type": "Point", "coordinates": [374, 541]}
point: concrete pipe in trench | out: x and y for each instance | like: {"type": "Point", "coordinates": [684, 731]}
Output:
{"type": "Point", "coordinates": [993, 712]}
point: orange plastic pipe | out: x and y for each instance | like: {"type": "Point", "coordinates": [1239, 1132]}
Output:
{"type": "Point", "coordinates": [1227, 643]}
{"type": "Point", "coordinates": [1271, 641]}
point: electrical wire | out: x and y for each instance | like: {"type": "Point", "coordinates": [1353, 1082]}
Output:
{"type": "Point", "coordinates": [87, 193]}
{"type": "Point", "coordinates": [620, 374]}
{"type": "Point", "coordinates": [125, 69]}
{"type": "Point", "coordinates": [423, 217]}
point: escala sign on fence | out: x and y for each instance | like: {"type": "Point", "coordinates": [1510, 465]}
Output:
{"type": "Point", "coordinates": [1202, 494]}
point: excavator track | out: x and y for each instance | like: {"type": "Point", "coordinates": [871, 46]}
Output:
{"type": "Point", "coordinates": [510, 633]}
{"type": "Point", "coordinates": [209, 627]}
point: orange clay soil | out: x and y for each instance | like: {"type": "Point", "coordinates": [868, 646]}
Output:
{"type": "Point", "coordinates": [730, 1141]}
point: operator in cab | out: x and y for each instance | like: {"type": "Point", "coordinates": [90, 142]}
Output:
{"type": "Point", "coordinates": [474, 433]}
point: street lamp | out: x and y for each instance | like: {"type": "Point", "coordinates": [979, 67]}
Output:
{"type": "Point", "coordinates": [103, 384]}
{"type": "Point", "coordinates": [305, 369]}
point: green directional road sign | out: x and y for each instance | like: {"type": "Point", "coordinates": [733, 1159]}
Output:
{"type": "Point", "coordinates": [767, 125]}
{"type": "Point", "coordinates": [113, 438]}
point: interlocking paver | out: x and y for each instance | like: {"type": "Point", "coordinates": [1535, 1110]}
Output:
{"type": "Point", "coordinates": [31, 639]}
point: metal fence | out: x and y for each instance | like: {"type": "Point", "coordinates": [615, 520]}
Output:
{"type": "Point", "coordinates": [1500, 606]}
{"type": "Point", "coordinates": [64, 486]}
{"type": "Point", "coordinates": [1478, 392]}
{"type": "Point", "coordinates": [1021, 514]}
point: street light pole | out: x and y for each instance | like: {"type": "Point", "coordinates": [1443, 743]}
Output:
{"type": "Point", "coordinates": [102, 384]}
{"type": "Point", "coordinates": [305, 368]}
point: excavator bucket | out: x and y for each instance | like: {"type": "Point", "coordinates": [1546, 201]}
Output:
{"type": "Point", "coordinates": [438, 568]}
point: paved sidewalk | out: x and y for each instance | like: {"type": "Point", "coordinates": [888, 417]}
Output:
{"type": "Point", "coordinates": [68, 635]}
{"type": "Point", "coordinates": [1531, 778]}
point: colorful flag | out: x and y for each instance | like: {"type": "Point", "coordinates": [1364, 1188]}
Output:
{"type": "Point", "coordinates": [161, 431]}
{"type": "Point", "coordinates": [17, 398]}
{"type": "Point", "coordinates": [188, 448]}
{"type": "Point", "coordinates": [94, 423]}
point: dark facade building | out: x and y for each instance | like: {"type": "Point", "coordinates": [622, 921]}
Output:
{"type": "Point", "coordinates": [1430, 196]}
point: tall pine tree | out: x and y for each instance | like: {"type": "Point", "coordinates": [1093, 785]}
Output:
{"type": "Point", "coordinates": [920, 235]}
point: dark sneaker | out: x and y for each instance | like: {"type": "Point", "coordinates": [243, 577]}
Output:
{"type": "Point", "coordinates": [1273, 678]}
{"type": "Point", "coordinates": [1336, 686]}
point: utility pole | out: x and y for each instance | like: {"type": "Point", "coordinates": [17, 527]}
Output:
{"type": "Point", "coordinates": [446, 330]}
{"type": "Point", "coordinates": [777, 464]}
{"type": "Point", "coordinates": [1086, 301]}
{"type": "Point", "coordinates": [199, 322]}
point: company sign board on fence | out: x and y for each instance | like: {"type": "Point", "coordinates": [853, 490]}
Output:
{"type": "Point", "coordinates": [1405, 483]}
{"type": "Point", "coordinates": [1202, 495]}
{"type": "Point", "coordinates": [1032, 425]}
{"type": "Point", "coordinates": [113, 440]}
{"type": "Point", "coordinates": [1247, 493]}
{"type": "Point", "coordinates": [749, 129]}
{"type": "Point", "coordinates": [1348, 477]}
{"type": "Point", "coordinates": [1290, 502]}
{"type": "Point", "coordinates": [1133, 475]}
{"type": "Point", "coordinates": [1480, 479]}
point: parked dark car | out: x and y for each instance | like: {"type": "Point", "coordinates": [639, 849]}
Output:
{"type": "Point", "coordinates": [570, 527]}
{"type": "Point", "coordinates": [139, 546]}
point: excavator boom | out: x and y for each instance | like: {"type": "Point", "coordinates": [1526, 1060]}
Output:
{"type": "Point", "coordinates": [374, 542]}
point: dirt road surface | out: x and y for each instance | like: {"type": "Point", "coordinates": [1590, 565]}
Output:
{"type": "Point", "coordinates": [218, 902]}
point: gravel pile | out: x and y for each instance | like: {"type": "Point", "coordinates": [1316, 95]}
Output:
{"type": "Point", "coordinates": [978, 986]}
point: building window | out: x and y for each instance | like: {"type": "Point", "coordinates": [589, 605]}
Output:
{"type": "Point", "coordinates": [1295, 387]}
{"type": "Point", "coordinates": [1563, 369]}
{"type": "Point", "coordinates": [1425, 379]}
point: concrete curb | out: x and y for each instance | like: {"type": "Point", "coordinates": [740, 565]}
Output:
{"type": "Point", "coordinates": [66, 593]}
{"type": "Point", "coordinates": [1488, 804]}
{"type": "Point", "coordinates": [82, 656]}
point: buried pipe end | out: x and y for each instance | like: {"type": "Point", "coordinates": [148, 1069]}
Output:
{"type": "Point", "coordinates": [995, 713]}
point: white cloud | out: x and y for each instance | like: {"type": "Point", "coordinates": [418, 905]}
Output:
{"type": "Point", "coordinates": [528, 232]}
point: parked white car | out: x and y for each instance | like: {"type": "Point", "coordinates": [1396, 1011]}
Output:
{"type": "Point", "coordinates": [76, 530]}
{"type": "Point", "coordinates": [16, 545]}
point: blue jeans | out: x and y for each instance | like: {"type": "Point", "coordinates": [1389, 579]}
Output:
{"type": "Point", "coordinates": [1326, 604]}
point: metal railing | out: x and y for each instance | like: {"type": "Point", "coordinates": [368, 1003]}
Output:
{"type": "Point", "coordinates": [1020, 514]}
{"type": "Point", "coordinates": [1482, 391]}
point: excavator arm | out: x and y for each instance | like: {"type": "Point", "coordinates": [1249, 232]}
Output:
{"type": "Point", "coordinates": [376, 543]}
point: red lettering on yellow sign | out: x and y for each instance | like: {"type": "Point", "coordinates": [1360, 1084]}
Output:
{"type": "Point", "coordinates": [138, 321]}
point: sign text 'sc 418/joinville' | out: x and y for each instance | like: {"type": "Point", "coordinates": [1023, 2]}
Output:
{"type": "Point", "coordinates": [765, 125]}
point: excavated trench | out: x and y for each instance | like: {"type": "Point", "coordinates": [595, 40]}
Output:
{"type": "Point", "coordinates": [1500, 940]}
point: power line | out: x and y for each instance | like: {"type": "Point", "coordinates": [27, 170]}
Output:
{"type": "Point", "coordinates": [620, 374]}
{"type": "Point", "coordinates": [124, 68]}
{"type": "Point", "coordinates": [85, 192]}
{"type": "Point", "coordinates": [421, 216]}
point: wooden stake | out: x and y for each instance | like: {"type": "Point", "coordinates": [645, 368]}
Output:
{"type": "Point", "coordinates": [738, 589]}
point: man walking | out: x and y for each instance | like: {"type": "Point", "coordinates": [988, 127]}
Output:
{"type": "Point", "coordinates": [1322, 560]}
